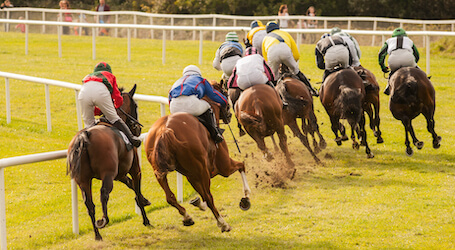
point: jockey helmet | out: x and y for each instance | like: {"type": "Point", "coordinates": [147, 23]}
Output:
{"type": "Point", "coordinates": [102, 66]}
{"type": "Point", "coordinates": [335, 30]}
{"type": "Point", "coordinates": [256, 23]}
{"type": "Point", "coordinates": [232, 36]}
{"type": "Point", "coordinates": [251, 51]}
{"type": "Point", "coordinates": [271, 26]}
{"type": "Point", "coordinates": [191, 70]}
{"type": "Point", "coordinates": [399, 32]}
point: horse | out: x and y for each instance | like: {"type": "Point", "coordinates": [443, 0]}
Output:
{"type": "Point", "coordinates": [99, 152]}
{"type": "Point", "coordinates": [412, 93]}
{"type": "Point", "coordinates": [300, 105]}
{"type": "Point", "coordinates": [342, 94]}
{"type": "Point", "coordinates": [371, 104]}
{"type": "Point", "coordinates": [180, 142]}
{"type": "Point", "coordinates": [234, 94]}
{"type": "Point", "coordinates": [259, 110]}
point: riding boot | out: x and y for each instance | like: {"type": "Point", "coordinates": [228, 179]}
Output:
{"type": "Point", "coordinates": [120, 125]}
{"type": "Point", "coordinates": [305, 80]}
{"type": "Point", "coordinates": [208, 119]}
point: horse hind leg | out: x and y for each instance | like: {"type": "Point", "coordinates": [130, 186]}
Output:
{"type": "Point", "coordinates": [141, 201]}
{"type": "Point", "coordinates": [430, 127]}
{"type": "Point", "coordinates": [170, 198]}
{"type": "Point", "coordinates": [86, 191]}
{"type": "Point", "coordinates": [415, 141]}
{"type": "Point", "coordinates": [106, 189]}
{"type": "Point", "coordinates": [409, 151]}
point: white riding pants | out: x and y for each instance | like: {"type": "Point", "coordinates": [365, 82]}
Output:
{"type": "Point", "coordinates": [188, 104]}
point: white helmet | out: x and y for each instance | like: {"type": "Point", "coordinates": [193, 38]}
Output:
{"type": "Point", "coordinates": [191, 70]}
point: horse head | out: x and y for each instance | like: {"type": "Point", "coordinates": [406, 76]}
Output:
{"type": "Point", "coordinates": [225, 113]}
{"type": "Point", "coordinates": [128, 112]}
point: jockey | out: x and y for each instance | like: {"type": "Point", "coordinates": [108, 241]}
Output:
{"type": "Point", "coordinates": [251, 70]}
{"type": "Point", "coordinates": [256, 35]}
{"type": "Point", "coordinates": [227, 55]}
{"type": "Point", "coordinates": [278, 47]}
{"type": "Point", "coordinates": [353, 45]}
{"type": "Point", "coordinates": [402, 53]}
{"type": "Point", "coordinates": [100, 94]}
{"type": "Point", "coordinates": [330, 52]}
{"type": "Point", "coordinates": [186, 96]}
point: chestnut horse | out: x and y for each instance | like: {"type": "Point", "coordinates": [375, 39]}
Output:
{"type": "Point", "coordinates": [180, 142]}
{"type": "Point", "coordinates": [99, 152]}
{"type": "Point", "coordinates": [300, 105]}
{"type": "Point", "coordinates": [259, 110]}
{"type": "Point", "coordinates": [342, 94]}
{"type": "Point", "coordinates": [371, 104]}
{"type": "Point", "coordinates": [412, 94]}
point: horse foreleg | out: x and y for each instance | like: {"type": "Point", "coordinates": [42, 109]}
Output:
{"type": "Point", "coordinates": [245, 201]}
{"type": "Point", "coordinates": [377, 121]}
{"type": "Point", "coordinates": [336, 126]}
{"type": "Point", "coordinates": [141, 201]}
{"type": "Point", "coordinates": [261, 145]}
{"type": "Point", "coordinates": [170, 198]}
{"type": "Point", "coordinates": [415, 141]}
{"type": "Point", "coordinates": [363, 133]}
{"type": "Point", "coordinates": [284, 147]}
{"type": "Point", "coordinates": [106, 189]}
{"type": "Point", "coordinates": [303, 138]}
{"type": "Point", "coordinates": [354, 130]}
{"type": "Point", "coordinates": [201, 184]}
{"type": "Point", "coordinates": [430, 127]}
{"type": "Point", "coordinates": [86, 190]}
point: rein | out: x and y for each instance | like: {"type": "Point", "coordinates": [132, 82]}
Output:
{"type": "Point", "coordinates": [130, 117]}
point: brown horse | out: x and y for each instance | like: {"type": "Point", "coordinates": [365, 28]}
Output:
{"type": "Point", "coordinates": [371, 104]}
{"type": "Point", "coordinates": [234, 94]}
{"type": "Point", "coordinates": [99, 152]}
{"type": "Point", "coordinates": [300, 105]}
{"type": "Point", "coordinates": [180, 142]}
{"type": "Point", "coordinates": [259, 110]}
{"type": "Point", "coordinates": [412, 94]}
{"type": "Point", "coordinates": [342, 95]}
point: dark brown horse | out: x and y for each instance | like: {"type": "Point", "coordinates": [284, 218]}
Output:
{"type": "Point", "coordinates": [412, 94]}
{"type": "Point", "coordinates": [259, 110]}
{"type": "Point", "coordinates": [342, 95]}
{"type": "Point", "coordinates": [371, 104]}
{"type": "Point", "coordinates": [180, 142]}
{"type": "Point", "coordinates": [300, 105]}
{"type": "Point", "coordinates": [99, 152]}
{"type": "Point", "coordinates": [234, 94]}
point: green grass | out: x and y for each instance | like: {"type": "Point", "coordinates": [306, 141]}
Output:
{"type": "Point", "coordinates": [389, 202]}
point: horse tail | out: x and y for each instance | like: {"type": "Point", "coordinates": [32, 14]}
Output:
{"type": "Point", "coordinates": [165, 149]}
{"type": "Point", "coordinates": [254, 121]}
{"type": "Point", "coordinates": [349, 105]}
{"type": "Point", "coordinates": [76, 152]}
{"type": "Point", "coordinates": [407, 92]}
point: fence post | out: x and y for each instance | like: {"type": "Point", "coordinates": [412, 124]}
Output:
{"type": "Point", "coordinates": [129, 44]}
{"type": "Point", "coordinates": [201, 36]}
{"type": "Point", "coordinates": [213, 32]}
{"type": "Point", "coordinates": [78, 111]}
{"type": "Point", "coordinates": [428, 53]}
{"type": "Point", "coordinates": [135, 22]}
{"type": "Point", "coordinates": [164, 48]}
{"type": "Point", "coordinates": [93, 43]}
{"type": "Point", "coordinates": [74, 206]}
{"type": "Point", "coordinates": [116, 22]}
{"type": "Point", "coordinates": [2, 209]}
{"type": "Point", "coordinates": [8, 105]}
{"type": "Point", "coordinates": [48, 108]}
{"type": "Point", "coordinates": [194, 31]}
{"type": "Point", "coordinates": [43, 31]}
{"type": "Point", "coordinates": [172, 31]}
{"type": "Point", "coordinates": [152, 32]}
{"type": "Point", "coordinates": [375, 25]}
{"type": "Point", "coordinates": [59, 31]}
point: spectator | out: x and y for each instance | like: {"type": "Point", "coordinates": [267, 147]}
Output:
{"type": "Point", "coordinates": [21, 26]}
{"type": "Point", "coordinates": [283, 11]}
{"type": "Point", "coordinates": [312, 24]}
{"type": "Point", "coordinates": [103, 18]}
{"type": "Point", "coordinates": [65, 17]}
{"type": "Point", "coordinates": [6, 4]}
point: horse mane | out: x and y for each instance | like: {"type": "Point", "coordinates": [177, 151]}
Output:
{"type": "Point", "coordinates": [406, 92]}
{"type": "Point", "coordinates": [348, 104]}
{"type": "Point", "coordinates": [79, 147]}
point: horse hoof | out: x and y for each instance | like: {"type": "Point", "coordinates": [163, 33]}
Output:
{"type": "Point", "coordinates": [101, 223]}
{"type": "Point", "coordinates": [419, 145]}
{"type": "Point", "coordinates": [195, 202]}
{"type": "Point", "coordinates": [355, 145]}
{"type": "Point", "coordinates": [344, 138]}
{"type": "Point", "coordinates": [436, 142]}
{"type": "Point", "coordinates": [409, 151]}
{"type": "Point", "coordinates": [225, 228]}
{"type": "Point", "coordinates": [145, 202]}
{"type": "Point", "coordinates": [245, 203]}
{"type": "Point", "coordinates": [380, 140]}
{"type": "Point", "coordinates": [322, 144]}
{"type": "Point", "coordinates": [370, 155]}
{"type": "Point", "coordinates": [188, 222]}
{"type": "Point", "coordinates": [241, 133]}
{"type": "Point", "coordinates": [98, 238]}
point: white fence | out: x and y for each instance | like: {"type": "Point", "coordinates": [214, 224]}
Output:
{"type": "Point", "coordinates": [201, 29]}
{"type": "Point", "coordinates": [19, 160]}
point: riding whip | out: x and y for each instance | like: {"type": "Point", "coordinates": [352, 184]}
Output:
{"type": "Point", "coordinates": [238, 148]}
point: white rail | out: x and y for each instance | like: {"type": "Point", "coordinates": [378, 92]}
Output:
{"type": "Point", "coordinates": [26, 159]}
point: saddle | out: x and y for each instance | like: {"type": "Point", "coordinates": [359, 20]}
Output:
{"type": "Point", "coordinates": [104, 122]}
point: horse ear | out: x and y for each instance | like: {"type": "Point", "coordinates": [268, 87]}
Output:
{"type": "Point", "coordinates": [133, 90]}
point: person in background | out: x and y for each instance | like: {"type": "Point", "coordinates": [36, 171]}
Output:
{"type": "Point", "coordinates": [283, 11]}
{"type": "Point", "coordinates": [402, 53]}
{"type": "Point", "coordinates": [278, 47]}
{"type": "Point", "coordinates": [21, 26]}
{"type": "Point", "coordinates": [186, 96]}
{"type": "Point", "coordinates": [256, 35]}
{"type": "Point", "coordinates": [332, 52]}
{"type": "Point", "coordinates": [312, 23]}
{"type": "Point", "coordinates": [353, 45]}
{"type": "Point", "coordinates": [6, 4]}
{"type": "Point", "coordinates": [100, 94]}
{"type": "Point", "coordinates": [65, 17]}
{"type": "Point", "coordinates": [102, 6]}
{"type": "Point", "coordinates": [227, 55]}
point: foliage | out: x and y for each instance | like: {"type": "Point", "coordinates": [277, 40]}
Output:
{"type": "Point", "coordinates": [389, 202]}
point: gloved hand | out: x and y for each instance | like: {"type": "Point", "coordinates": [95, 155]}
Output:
{"type": "Point", "coordinates": [385, 69]}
